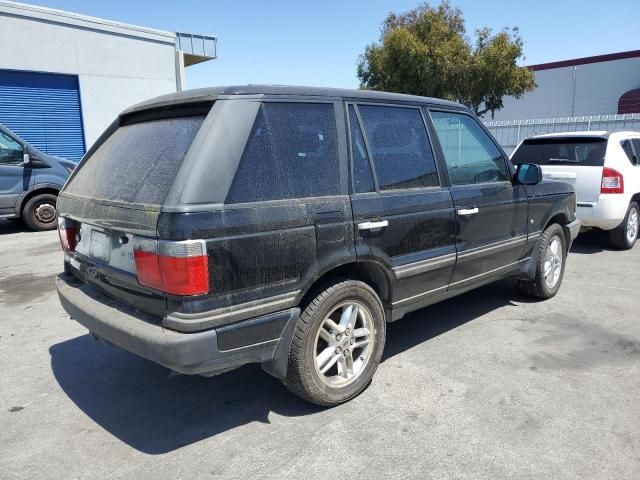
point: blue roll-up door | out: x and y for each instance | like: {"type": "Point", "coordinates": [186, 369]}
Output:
{"type": "Point", "coordinates": [44, 109]}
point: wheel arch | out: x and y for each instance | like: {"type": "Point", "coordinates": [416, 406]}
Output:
{"type": "Point", "coordinates": [32, 192]}
{"type": "Point", "coordinates": [370, 272]}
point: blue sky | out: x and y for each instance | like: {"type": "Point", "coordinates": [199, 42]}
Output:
{"type": "Point", "coordinates": [318, 43]}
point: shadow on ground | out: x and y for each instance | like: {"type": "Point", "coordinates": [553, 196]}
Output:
{"type": "Point", "coordinates": [154, 412]}
{"type": "Point", "coordinates": [12, 226]}
{"type": "Point", "coordinates": [591, 241]}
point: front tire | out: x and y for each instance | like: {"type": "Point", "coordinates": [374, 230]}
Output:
{"type": "Point", "coordinates": [552, 254]}
{"type": "Point", "coordinates": [39, 213]}
{"type": "Point", "coordinates": [624, 236]}
{"type": "Point", "coordinates": [337, 344]}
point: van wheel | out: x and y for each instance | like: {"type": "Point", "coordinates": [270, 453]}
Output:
{"type": "Point", "coordinates": [552, 254]}
{"type": "Point", "coordinates": [337, 344]}
{"type": "Point", "coordinates": [624, 236]}
{"type": "Point", "coordinates": [39, 213]}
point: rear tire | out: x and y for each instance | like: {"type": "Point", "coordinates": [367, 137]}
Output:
{"type": "Point", "coordinates": [337, 344]}
{"type": "Point", "coordinates": [624, 236]}
{"type": "Point", "coordinates": [552, 254]}
{"type": "Point", "coordinates": [39, 213]}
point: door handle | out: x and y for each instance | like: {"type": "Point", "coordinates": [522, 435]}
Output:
{"type": "Point", "coordinates": [468, 211]}
{"type": "Point", "coordinates": [373, 225]}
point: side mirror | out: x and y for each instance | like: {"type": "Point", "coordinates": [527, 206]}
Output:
{"type": "Point", "coordinates": [529, 174]}
{"type": "Point", "coordinates": [26, 159]}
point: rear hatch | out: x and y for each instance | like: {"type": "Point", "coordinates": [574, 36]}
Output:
{"type": "Point", "coordinates": [113, 200]}
{"type": "Point", "coordinates": [572, 159]}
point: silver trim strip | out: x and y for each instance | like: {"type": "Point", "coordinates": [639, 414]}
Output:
{"type": "Point", "coordinates": [213, 318]}
{"type": "Point", "coordinates": [495, 270]}
{"type": "Point", "coordinates": [423, 266]}
{"type": "Point", "coordinates": [419, 295]}
{"type": "Point", "coordinates": [493, 246]}
{"type": "Point", "coordinates": [534, 235]}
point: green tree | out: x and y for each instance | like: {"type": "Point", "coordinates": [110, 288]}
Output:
{"type": "Point", "coordinates": [425, 51]}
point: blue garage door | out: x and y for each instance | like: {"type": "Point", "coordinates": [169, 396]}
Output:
{"type": "Point", "coordinates": [44, 109]}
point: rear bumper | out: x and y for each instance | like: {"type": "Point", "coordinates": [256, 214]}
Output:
{"type": "Point", "coordinates": [606, 213]}
{"type": "Point", "coordinates": [263, 339]}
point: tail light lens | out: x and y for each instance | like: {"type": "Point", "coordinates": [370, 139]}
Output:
{"type": "Point", "coordinates": [67, 234]}
{"type": "Point", "coordinates": [178, 268]}
{"type": "Point", "coordinates": [612, 181]}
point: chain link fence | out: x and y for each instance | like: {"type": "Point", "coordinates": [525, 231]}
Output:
{"type": "Point", "coordinates": [509, 133]}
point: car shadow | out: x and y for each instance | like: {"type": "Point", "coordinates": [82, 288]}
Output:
{"type": "Point", "coordinates": [156, 412]}
{"type": "Point", "coordinates": [12, 226]}
{"type": "Point", "coordinates": [590, 242]}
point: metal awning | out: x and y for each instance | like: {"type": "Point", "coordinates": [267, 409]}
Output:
{"type": "Point", "coordinates": [196, 48]}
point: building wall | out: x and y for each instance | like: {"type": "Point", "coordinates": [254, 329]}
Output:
{"type": "Point", "coordinates": [117, 66]}
{"type": "Point", "coordinates": [595, 91]}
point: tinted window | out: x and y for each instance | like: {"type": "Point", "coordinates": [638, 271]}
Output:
{"type": "Point", "coordinates": [362, 177]}
{"type": "Point", "coordinates": [562, 151]}
{"type": "Point", "coordinates": [291, 153]}
{"type": "Point", "coordinates": [470, 154]}
{"type": "Point", "coordinates": [628, 149]}
{"type": "Point", "coordinates": [399, 146]}
{"type": "Point", "coordinates": [636, 144]}
{"type": "Point", "coordinates": [138, 163]}
{"type": "Point", "coordinates": [10, 150]}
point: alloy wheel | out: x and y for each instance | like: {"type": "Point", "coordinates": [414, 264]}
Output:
{"type": "Point", "coordinates": [632, 225]}
{"type": "Point", "coordinates": [553, 262]}
{"type": "Point", "coordinates": [343, 344]}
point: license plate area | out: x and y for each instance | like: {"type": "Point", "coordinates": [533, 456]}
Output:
{"type": "Point", "coordinates": [99, 247]}
{"type": "Point", "coordinates": [107, 246]}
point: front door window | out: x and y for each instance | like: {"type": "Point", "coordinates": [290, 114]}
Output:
{"type": "Point", "coordinates": [10, 150]}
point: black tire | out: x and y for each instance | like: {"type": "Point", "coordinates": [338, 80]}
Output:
{"type": "Point", "coordinates": [539, 288]}
{"type": "Point", "coordinates": [618, 237]}
{"type": "Point", "coordinates": [303, 377]}
{"type": "Point", "coordinates": [37, 214]}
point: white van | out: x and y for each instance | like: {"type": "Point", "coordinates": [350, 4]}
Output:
{"type": "Point", "coordinates": [604, 168]}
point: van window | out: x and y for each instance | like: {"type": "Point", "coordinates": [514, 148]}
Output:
{"type": "Point", "coordinates": [470, 154]}
{"type": "Point", "coordinates": [137, 163]}
{"type": "Point", "coordinates": [576, 151]}
{"type": "Point", "coordinates": [10, 150]}
{"type": "Point", "coordinates": [291, 153]}
{"type": "Point", "coordinates": [400, 147]}
{"type": "Point", "coordinates": [362, 177]}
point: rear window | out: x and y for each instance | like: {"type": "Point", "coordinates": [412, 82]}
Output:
{"type": "Point", "coordinates": [138, 163]}
{"type": "Point", "coordinates": [588, 152]}
{"type": "Point", "coordinates": [291, 153]}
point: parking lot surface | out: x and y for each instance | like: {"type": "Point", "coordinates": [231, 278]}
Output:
{"type": "Point", "coordinates": [486, 385]}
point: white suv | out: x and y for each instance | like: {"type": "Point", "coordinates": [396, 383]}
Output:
{"type": "Point", "coordinates": [605, 171]}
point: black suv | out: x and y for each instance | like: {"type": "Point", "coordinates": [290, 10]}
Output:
{"type": "Point", "coordinates": [286, 225]}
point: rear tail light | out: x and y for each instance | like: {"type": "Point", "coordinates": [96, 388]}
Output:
{"type": "Point", "coordinates": [612, 181]}
{"type": "Point", "coordinates": [67, 234]}
{"type": "Point", "coordinates": [178, 268]}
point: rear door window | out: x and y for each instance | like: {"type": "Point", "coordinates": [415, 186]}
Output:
{"type": "Point", "coordinates": [636, 144]}
{"type": "Point", "coordinates": [587, 152]}
{"type": "Point", "coordinates": [291, 153]}
{"type": "Point", "coordinates": [628, 150]}
{"type": "Point", "coordinates": [400, 147]}
{"type": "Point", "coordinates": [138, 163]}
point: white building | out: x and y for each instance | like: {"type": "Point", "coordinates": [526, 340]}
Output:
{"type": "Point", "coordinates": [65, 77]}
{"type": "Point", "coordinates": [600, 85]}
